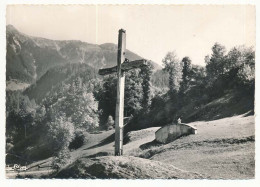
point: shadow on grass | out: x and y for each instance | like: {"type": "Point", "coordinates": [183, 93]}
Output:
{"type": "Point", "coordinates": [106, 141]}
{"type": "Point", "coordinates": [110, 139]}
{"type": "Point", "coordinates": [99, 154]}
{"type": "Point", "coordinates": [148, 145]}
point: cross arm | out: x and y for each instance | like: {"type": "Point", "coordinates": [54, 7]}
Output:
{"type": "Point", "coordinates": [134, 64]}
{"type": "Point", "coordinates": [125, 66]}
{"type": "Point", "coordinates": [107, 71]}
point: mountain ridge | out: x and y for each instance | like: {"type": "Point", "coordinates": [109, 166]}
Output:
{"type": "Point", "coordinates": [28, 57]}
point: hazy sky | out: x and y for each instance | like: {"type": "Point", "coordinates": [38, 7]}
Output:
{"type": "Point", "coordinates": [151, 30]}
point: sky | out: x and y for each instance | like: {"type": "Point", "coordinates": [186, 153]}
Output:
{"type": "Point", "coordinates": [151, 30]}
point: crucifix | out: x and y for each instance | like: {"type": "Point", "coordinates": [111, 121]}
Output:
{"type": "Point", "coordinates": [123, 65]}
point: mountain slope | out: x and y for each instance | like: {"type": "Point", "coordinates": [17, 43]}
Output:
{"type": "Point", "coordinates": [56, 77]}
{"type": "Point", "coordinates": [28, 58]}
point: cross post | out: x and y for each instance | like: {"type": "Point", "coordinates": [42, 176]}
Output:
{"type": "Point", "coordinates": [119, 117]}
{"type": "Point", "coordinates": [122, 65]}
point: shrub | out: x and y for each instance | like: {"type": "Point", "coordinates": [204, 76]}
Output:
{"type": "Point", "coordinates": [61, 159]}
{"type": "Point", "coordinates": [78, 140]}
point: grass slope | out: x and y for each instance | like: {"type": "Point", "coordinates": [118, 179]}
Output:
{"type": "Point", "coordinates": [222, 149]}
{"type": "Point", "coordinates": [126, 167]}
{"type": "Point", "coordinates": [231, 104]}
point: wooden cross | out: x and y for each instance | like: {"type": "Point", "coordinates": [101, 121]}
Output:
{"type": "Point", "coordinates": [122, 65]}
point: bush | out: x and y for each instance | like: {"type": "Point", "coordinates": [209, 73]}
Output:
{"type": "Point", "coordinates": [60, 133]}
{"type": "Point", "coordinates": [78, 140]}
{"type": "Point", "coordinates": [61, 159]}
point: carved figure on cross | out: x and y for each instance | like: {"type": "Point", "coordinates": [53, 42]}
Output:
{"type": "Point", "coordinates": [123, 65]}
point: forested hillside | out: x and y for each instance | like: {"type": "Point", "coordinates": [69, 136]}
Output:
{"type": "Point", "coordinates": [223, 88]}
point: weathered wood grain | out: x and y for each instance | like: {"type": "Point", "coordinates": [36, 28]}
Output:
{"type": "Point", "coordinates": [119, 116]}
{"type": "Point", "coordinates": [125, 66]}
{"type": "Point", "coordinates": [107, 71]}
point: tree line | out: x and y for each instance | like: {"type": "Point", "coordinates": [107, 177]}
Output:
{"type": "Point", "coordinates": [191, 87]}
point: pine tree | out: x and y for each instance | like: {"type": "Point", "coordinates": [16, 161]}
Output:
{"type": "Point", "coordinates": [215, 64]}
{"type": "Point", "coordinates": [146, 73]}
{"type": "Point", "coordinates": [187, 67]}
{"type": "Point", "coordinates": [174, 68]}
{"type": "Point", "coordinates": [133, 92]}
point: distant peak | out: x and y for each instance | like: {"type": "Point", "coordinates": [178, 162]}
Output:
{"type": "Point", "coordinates": [11, 28]}
{"type": "Point", "coordinates": [108, 46]}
